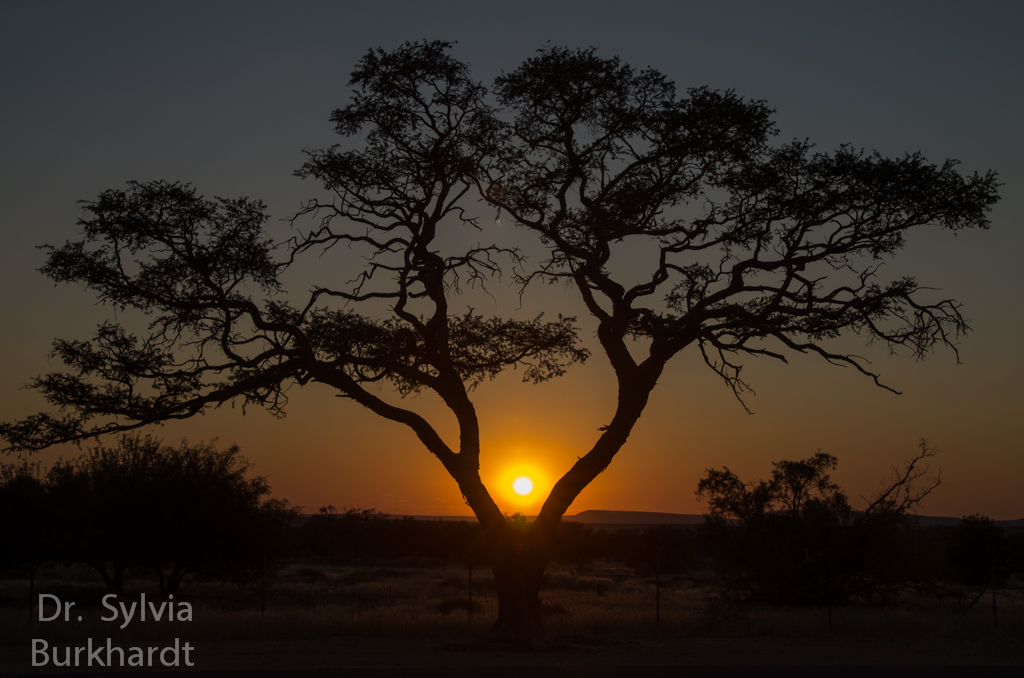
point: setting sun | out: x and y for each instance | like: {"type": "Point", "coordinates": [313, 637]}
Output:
{"type": "Point", "coordinates": [520, 482]}
{"type": "Point", "coordinates": [522, 485]}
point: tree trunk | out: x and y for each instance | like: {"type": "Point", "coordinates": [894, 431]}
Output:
{"type": "Point", "coordinates": [518, 619]}
{"type": "Point", "coordinates": [519, 573]}
{"type": "Point", "coordinates": [634, 391]}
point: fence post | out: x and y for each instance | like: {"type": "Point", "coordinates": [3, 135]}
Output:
{"type": "Point", "coordinates": [657, 593]}
{"type": "Point", "coordinates": [993, 595]}
{"type": "Point", "coordinates": [828, 586]}
{"type": "Point", "coordinates": [263, 588]}
{"type": "Point", "coordinates": [32, 578]}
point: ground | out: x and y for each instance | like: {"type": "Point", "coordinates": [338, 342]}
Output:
{"type": "Point", "coordinates": [391, 620]}
{"type": "Point", "coordinates": [421, 656]}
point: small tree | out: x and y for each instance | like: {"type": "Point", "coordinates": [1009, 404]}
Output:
{"type": "Point", "coordinates": [761, 250]}
{"type": "Point", "coordinates": [796, 536]}
{"type": "Point", "coordinates": [980, 552]}
{"type": "Point", "coordinates": [179, 510]}
{"type": "Point", "coordinates": [785, 523]}
{"type": "Point", "coordinates": [23, 515]}
{"type": "Point", "coordinates": [795, 488]}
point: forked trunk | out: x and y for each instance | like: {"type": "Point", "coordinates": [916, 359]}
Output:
{"type": "Point", "coordinates": [519, 572]}
{"type": "Point", "coordinates": [518, 616]}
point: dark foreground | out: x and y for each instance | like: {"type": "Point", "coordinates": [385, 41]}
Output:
{"type": "Point", "coordinates": [601, 672]}
{"type": "Point", "coordinates": [764, 657]}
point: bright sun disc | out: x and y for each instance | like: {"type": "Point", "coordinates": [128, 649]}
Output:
{"type": "Point", "coordinates": [522, 485]}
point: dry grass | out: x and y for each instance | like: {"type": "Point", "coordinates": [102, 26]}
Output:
{"type": "Point", "coordinates": [317, 601]}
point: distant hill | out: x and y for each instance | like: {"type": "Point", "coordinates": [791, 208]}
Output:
{"type": "Point", "coordinates": [940, 520]}
{"type": "Point", "coordinates": [596, 517]}
{"type": "Point", "coordinates": [652, 518]}
{"type": "Point", "coordinates": [591, 517]}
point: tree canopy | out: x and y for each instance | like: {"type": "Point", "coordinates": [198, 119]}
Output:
{"type": "Point", "coordinates": [762, 249]}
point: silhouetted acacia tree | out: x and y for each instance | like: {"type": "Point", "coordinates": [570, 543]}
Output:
{"type": "Point", "coordinates": [181, 510]}
{"type": "Point", "coordinates": [760, 249]}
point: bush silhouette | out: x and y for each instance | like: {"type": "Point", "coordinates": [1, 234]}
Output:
{"type": "Point", "coordinates": [177, 511]}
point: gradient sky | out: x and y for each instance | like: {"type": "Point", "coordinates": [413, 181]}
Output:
{"type": "Point", "coordinates": [225, 96]}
